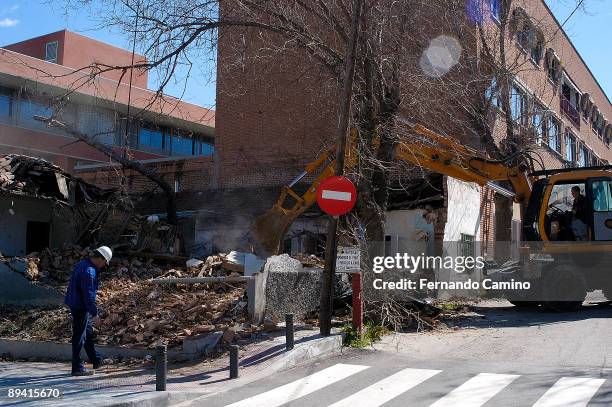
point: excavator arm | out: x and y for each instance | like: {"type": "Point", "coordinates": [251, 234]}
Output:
{"type": "Point", "coordinates": [425, 148]}
{"type": "Point", "coordinates": [447, 156]}
{"type": "Point", "coordinates": [269, 229]}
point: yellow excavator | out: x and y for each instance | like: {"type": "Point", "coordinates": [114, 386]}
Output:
{"type": "Point", "coordinates": [565, 249]}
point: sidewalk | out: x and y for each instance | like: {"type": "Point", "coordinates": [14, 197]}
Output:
{"type": "Point", "coordinates": [135, 386]}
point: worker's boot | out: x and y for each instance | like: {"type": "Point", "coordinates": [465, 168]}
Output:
{"type": "Point", "coordinates": [83, 372]}
{"type": "Point", "coordinates": [103, 362]}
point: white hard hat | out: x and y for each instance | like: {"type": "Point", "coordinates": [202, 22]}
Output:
{"type": "Point", "coordinates": [106, 252]}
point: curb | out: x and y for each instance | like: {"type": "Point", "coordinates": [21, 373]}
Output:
{"type": "Point", "coordinates": [154, 399]}
{"type": "Point", "coordinates": [302, 353]}
{"type": "Point", "coordinates": [323, 346]}
{"type": "Point", "coordinates": [62, 352]}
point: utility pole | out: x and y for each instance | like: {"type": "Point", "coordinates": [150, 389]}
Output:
{"type": "Point", "coordinates": [331, 245]}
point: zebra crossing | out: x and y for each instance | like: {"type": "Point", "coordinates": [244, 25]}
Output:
{"type": "Point", "coordinates": [474, 392]}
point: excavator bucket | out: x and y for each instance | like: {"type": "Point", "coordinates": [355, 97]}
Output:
{"type": "Point", "coordinates": [269, 229]}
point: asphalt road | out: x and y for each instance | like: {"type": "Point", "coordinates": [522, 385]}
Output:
{"type": "Point", "coordinates": [500, 357]}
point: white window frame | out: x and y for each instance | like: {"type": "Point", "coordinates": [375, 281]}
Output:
{"type": "Point", "coordinates": [569, 134]}
{"type": "Point", "coordinates": [52, 60]}
{"type": "Point", "coordinates": [494, 16]}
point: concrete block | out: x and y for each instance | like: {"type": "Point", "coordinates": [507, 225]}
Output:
{"type": "Point", "coordinates": [283, 263]}
{"type": "Point", "coordinates": [256, 288]}
{"type": "Point", "coordinates": [292, 290]}
{"type": "Point", "coordinates": [252, 264]}
{"type": "Point", "coordinates": [16, 289]}
{"type": "Point", "coordinates": [203, 344]}
{"type": "Point", "coordinates": [256, 293]}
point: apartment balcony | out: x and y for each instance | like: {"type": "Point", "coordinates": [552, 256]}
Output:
{"type": "Point", "coordinates": [570, 111]}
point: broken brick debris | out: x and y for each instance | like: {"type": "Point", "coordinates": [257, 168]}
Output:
{"type": "Point", "coordinates": [134, 312]}
{"type": "Point", "coordinates": [20, 174]}
{"type": "Point", "coordinates": [309, 260]}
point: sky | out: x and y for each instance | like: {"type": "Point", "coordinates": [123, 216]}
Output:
{"type": "Point", "coordinates": [589, 30]}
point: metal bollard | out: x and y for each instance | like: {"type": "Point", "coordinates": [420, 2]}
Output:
{"type": "Point", "coordinates": [289, 332]}
{"type": "Point", "coordinates": [161, 367]}
{"type": "Point", "coordinates": [234, 362]}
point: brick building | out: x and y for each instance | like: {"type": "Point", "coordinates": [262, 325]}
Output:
{"type": "Point", "coordinates": [49, 75]}
{"type": "Point", "coordinates": [556, 102]}
{"type": "Point", "coordinates": [274, 114]}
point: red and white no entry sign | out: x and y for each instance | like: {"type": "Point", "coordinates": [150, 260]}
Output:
{"type": "Point", "coordinates": [336, 195]}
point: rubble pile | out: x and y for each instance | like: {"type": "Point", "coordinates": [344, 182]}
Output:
{"type": "Point", "coordinates": [309, 260]}
{"type": "Point", "coordinates": [37, 177]}
{"type": "Point", "coordinates": [137, 314]}
{"type": "Point", "coordinates": [53, 266]}
{"type": "Point", "coordinates": [143, 314]}
{"type": "Point", "coordinates": [7, 178]}
{"type": "Point", "coordinates": [135, 311]}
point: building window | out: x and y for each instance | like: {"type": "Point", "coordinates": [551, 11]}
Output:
{"type": "Point", "coordinates": [530, 39]}
{"type": "Point", "coordinates": [151, 139]}
{"type": "Point", "coordinates": [492, 95]}
{"type": "Point", "coordinates": [600, 126]}
{"type": "Point", "coordinates": [51, 52]}
{"type": "Point", "coordinates": [467, 245]}
{"type": "Point", "coordinates": [96, 123]}
{"type": "Point", "coordinates": [595, 119]}
{"type": "Point", "coordinates": [570, 97]}
{"type": "Point", "coordinates": [29, 109]}
{"type": "Point", "coordinates": [538, 122]}
{"type": "Point", "coordinates": [495, 6]}
{"type": "Point", "coordinates": [6, 103]}
{"type": "Point", "coordinates": [553, 69]}
{"type": "Point", "coordinates": [570, 146]}
{"type": "Point", "coordinates": [537, 50]}
{"type": "Point", "coordinates": [582, 156]}
{"type": "Point", "coordinates": [596, 160]}
{"type": "Point", "coordinates": [203, 148]}
{"type": "Point", "coordinates": [522, 36]}
{"type": "Point", "coordinates": [132, 136]}
{"type": "Point", "coordinates": [554, 134]}
{"type": "Point", "coordinates": [182, 145]}
{"type": "Point", "coordinates": [518, 105]}
{"type": "Point", "coordinates": [589, 158]}
{"type": "Point", "coordinates": [177, 185]}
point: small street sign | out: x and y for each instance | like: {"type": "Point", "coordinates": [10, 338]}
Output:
{"type": "Point", "coordinates": [348, 260]}
{"type": "Point", "coordinates": [336, 196]}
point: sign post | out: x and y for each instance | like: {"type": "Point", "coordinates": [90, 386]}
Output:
{"type": "Point", "coordinates": [343, 129]}
{"type": "Point", "coordinates": [336, 196]}
{"type": "Point", "coordinates": [348, 260]}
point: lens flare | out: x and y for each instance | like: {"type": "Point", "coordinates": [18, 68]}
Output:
{"type": "Point", "coordinates": [441, 55]}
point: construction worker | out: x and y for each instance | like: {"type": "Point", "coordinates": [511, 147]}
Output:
{"type": "Point", "coordinates": [579, 212]}
{"type": "Point", "coordinates": [81, 299]}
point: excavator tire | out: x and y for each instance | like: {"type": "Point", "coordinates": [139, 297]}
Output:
{"type": "Point", "coordinates": [564, 278]}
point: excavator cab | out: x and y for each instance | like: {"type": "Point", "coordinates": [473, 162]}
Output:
{"type": "Point", "coordinates": [567, 237]}
{"type": "Point", "coordinates": [571, 205]}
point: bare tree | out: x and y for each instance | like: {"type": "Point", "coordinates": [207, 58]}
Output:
{"type": "Point", "coordinates": [121, 159]}
{"type": "Point", "coordinates": [416, 61]}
